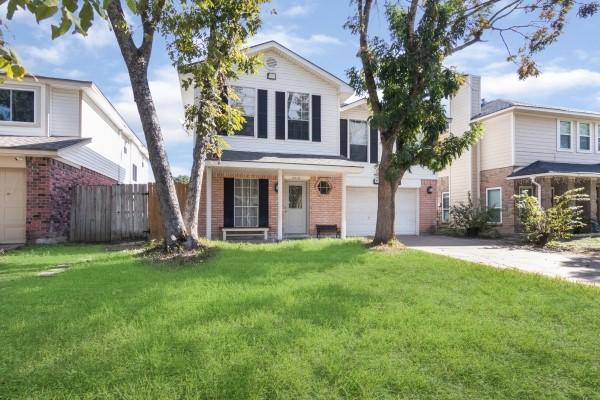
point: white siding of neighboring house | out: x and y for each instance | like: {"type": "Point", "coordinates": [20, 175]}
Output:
{"type": "Point", "coordinates": [40, 126]}
{"type": "Point", "coordinates": [291, 76]}
{"type": "Point", "coordinates": [65, 112]}
{"type": "Point", "coordinates": [365, 179]}
{"type": "Point", "coordinates": [105, 154]}
{"type": "Point", "coordinates": [496, 144]}
{"type": "Point", "coordinates": [536, 139]}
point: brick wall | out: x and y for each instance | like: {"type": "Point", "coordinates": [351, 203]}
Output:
{"type": "Point", "coordinates": [217, 219]}
{"type": "Point", "coordinates": [428, 205]}
{"type": "Point", "coordinates": [324, 209]}
{"type": "Point", "coordinates": [497, 178]}
{"type": "Point", "coordinates": [49, 184]}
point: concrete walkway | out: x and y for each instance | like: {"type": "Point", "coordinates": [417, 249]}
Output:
{"type": "Point", "coordinates": [571, 266]}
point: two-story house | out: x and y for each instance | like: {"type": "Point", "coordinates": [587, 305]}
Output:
{"type": "Point", "coordinates": [304, 159]}
{"type": "Point", "coordinates": [526, 148]}
{"type": "Point", "coordinates": [55, 134]}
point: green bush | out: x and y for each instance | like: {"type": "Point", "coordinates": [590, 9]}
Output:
{"type": "Point", "coordinates": [471, 220]}
{"type": "Point", "coordinates": [539, 226]}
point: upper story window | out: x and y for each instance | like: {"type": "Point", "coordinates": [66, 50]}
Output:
{"type": "Point", "coordinates": [134, 172]}
{"type": "Point", "coordinates": [246, 103]}
{"type": "Point", "coordinates": [359, 140]}
{"type": "Point", "coordinates": [298, 115]}
{"type": "Point", "coordinates": [584, 135]}
{"type": "Point", "coordinates": [564, 135]}
{"type": "Point", "coordinates": [17, 105]}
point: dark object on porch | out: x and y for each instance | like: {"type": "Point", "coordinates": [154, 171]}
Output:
{"type": "Point", "coordinates": [544, 167]}
{"type": "Point", "coordinates": [330, 229]}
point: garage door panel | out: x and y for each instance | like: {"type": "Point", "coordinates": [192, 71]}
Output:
{"type": "Point", "coordinates": [361, 211]}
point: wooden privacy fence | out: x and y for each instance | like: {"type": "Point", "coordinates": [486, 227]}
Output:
{"type": "Point", "coordinates": [154, 218]}
{"type": "Point", "coordinates": [109, 213]}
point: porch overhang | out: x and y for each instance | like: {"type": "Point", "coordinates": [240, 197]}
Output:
{"type": "Point", "coordinates": [279, 161]}
{"type": "Point", "coordinates": [544, 169]}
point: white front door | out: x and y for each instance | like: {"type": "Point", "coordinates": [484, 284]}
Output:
{"type": "Point", "coordinates": [294, 208]}
{"type": "Point", "coordinates": [13, 203]}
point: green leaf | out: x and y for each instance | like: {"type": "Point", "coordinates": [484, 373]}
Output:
{"type": "Point", "coordinates": [45, 9]}
{"type": "Point", "coordinates": [70, 5]}
{"type": "Point", "coordinates": [86, 15]}
{"type": "Point", "coordinates": [65, 24]}
{"type": "Point", "coordinates": [12, 7]}
{"type": "Point", "coordinates": [133, 6]}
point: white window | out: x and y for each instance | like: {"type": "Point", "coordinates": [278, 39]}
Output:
{"type": "Point", "coordinates": [246, 103]}
{"type": "Point", "coordinates": [584, 137]}
{"type": "Point", "coordinates": [298, 115]}
{"type": "Point", "coordinates": [445, 207]}
{"type": "Point", "coordinates": [134, 172]}
{"type": "Point", "coordinates": [245, 203]}
{"type": "Point", "coordinates": [494, 204]}
{"type": "Point", "coordinates": [359, 140]}
{"type": "Point", "coordinates": [17, 105]}
{"type": "Point", "coordinates": [564, 135]}
{"type": "Point", "coordinates": [598, 138]}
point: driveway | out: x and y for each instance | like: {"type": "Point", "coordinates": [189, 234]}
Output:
{"type": "Point", "coordinates": [571, 266]}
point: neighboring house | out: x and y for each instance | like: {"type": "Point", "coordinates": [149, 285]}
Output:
{"type": "Point", "coordinates": [305, 158]}
{"type": "Point", "coordinates": [526, 148]}
{"type": "Point", "coordinates": [54, 134]}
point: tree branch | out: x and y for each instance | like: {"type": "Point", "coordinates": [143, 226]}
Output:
{"type": "Point", "coordinates": [122, 31]}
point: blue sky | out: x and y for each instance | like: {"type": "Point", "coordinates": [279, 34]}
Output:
{"type": "Point", "coordinates": [312, 28]}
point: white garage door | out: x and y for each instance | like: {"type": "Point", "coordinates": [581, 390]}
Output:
{"type": "Point", "coordinates": [12, 205]}
{"type": "Point", "coordinates": [361, 211]}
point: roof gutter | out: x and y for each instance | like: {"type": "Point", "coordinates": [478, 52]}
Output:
{"type": "Point", "coordinates": [567, 174]}
{"type": "Point", "coordinates": [281, 165]}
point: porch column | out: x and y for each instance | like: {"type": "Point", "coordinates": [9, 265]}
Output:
{"type": "Point", "coordinates": [279, 205]}
{"type": "Point", "coordinates": [593, 200]}
{"type": "Point", "coordinates": [343, 222]}
{"type": "Point", "coordinates": [209, 203]}
{"type": "Point", "coordinates": [546, 193]}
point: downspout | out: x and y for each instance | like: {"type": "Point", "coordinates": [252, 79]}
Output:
{"type": "Point", "coordinates": [538, 191]}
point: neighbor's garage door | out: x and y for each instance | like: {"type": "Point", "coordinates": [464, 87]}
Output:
{"type": "Point", "coordinates": [361, 211]}
{"type": "Point", "coordinates": [12, 205]}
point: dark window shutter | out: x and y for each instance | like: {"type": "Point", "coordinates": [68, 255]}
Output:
{"type": "Point", "coordinates": [344, 137]}
{"type": "Point", "coordinates": [262, 113]}
{"type": "Point", "coordinates": [280, 115]}
{"type": "Point", "coordinates": [263, 203]}
{"type": "Point", "coordinates": [373, 144]}
{"type": "Point", "coordinates": [316, 118]}
{"type": "Point", "coordinates": [228, 202]}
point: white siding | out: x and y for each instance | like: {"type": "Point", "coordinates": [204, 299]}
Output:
{"type": "Point", "coordinates": [535, 139]}
{"type": "Point", "coordinates": [291, 76]}
{"type": "Point", "coordinates": [105, 154]}
{"type": "Point", "coordinates": [64, 112]}
{"type": "Point", "coordinates": [496, 144]}
{"type": "Point", "coordinates": [365, 179]}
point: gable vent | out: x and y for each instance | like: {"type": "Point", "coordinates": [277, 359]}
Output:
{"type": "Point", "coordinates": [271, 63]}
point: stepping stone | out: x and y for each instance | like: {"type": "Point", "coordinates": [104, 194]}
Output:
{"type": "Point", "coordinates": [52, 272]}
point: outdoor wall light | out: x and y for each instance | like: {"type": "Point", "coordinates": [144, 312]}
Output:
{"type": "Point", "coordinates": [276, 188]}
{"type": "Point", "coordinates": [429, 189]}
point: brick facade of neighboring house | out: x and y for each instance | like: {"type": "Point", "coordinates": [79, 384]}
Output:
{"type": "Point", "coordinates": [49, 186]}
{"type": "Point", "coordinates": [428, 205]}
{"type": "Point", "coordinates": [494, 178]}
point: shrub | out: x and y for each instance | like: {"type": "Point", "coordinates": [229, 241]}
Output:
{"type": "Point", "coordinates": [541, 226]}
{"type": "Point", "coordinates": [470, 220]}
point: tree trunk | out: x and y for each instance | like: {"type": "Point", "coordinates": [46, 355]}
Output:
{"type": "Point", "coordinates": [192, 202]}
{"type": "Point", "coordinates": [386, 194]}
{"type": "Point", "coordinates": [136, 60]}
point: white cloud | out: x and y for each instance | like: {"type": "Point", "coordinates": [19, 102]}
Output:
{"type": "Point", "coordinates": [547, 84]}
{"type": "Point", "coordinates": [164, 85]}
{"type": "Point", "coordinates": [296, 11]}
{"type": "Point", "coordinates": [54, 55]}
{"type": "Point", "coordinates": [288, 37]}
{"type": "Point", "coordinates": [99, 35]}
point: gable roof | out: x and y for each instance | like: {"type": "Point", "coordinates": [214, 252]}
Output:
{"type": "Point", "coordinates": [40, 143]}
{"type": "Point", "coordinates": [499, 105]}
{"type": "Point", "coordinates": [272, 44]}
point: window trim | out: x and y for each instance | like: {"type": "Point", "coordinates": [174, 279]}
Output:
{"type": "Point", "coordinates": [487, 190]}
{"type": "Point", "coordinates": [558, 135]}
{"type": "Point", "coordinates": [445, 221]}
{"type": "Point", "coordinates": [368, 131]}
{"type": "Point", "coordinates": [245, 206]}
{"type": "Point", "coordinates": [310, 106]}
{"type": "Point", "coordinates": [255, 136]}
{"type": "Point", "coordinates": [36, 106]}
{"type": "Point", "coordinates": [579, 150]}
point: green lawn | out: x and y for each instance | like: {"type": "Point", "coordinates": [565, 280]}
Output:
{"type": "Point", "coordinates": [305, 319]}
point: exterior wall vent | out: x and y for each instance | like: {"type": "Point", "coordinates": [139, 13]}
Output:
{"type": "Point", "coordinates": [271, 63]}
